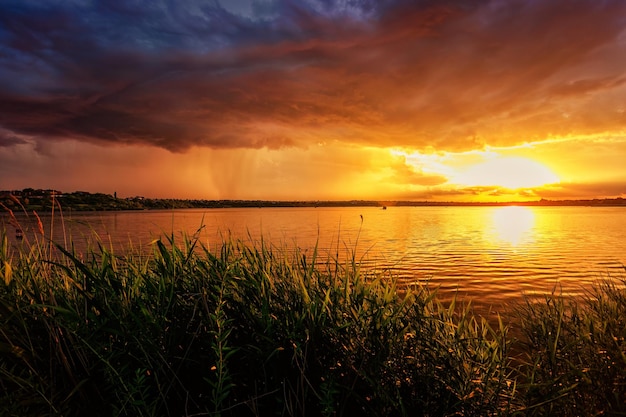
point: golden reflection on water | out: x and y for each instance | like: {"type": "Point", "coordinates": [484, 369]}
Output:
{"type": "Point", "coordinates": [513, 224]}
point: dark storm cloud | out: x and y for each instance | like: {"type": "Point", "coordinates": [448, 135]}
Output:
{"type": "Point", "coordinates": [449, 74]}
{"type": "Point", "coordinates": [9, 139]}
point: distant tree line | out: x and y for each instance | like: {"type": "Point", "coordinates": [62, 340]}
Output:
{"type": "Point", "coordinates": [44, 200]}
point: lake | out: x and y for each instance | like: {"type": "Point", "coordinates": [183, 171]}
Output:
{"type": "Point", "coordinates": [494, 255]}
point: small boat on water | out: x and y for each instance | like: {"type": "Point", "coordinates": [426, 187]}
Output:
{"type": "Point", "coordinates": [19, 234]}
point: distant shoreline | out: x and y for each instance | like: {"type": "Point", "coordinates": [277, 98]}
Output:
{"type": "Point", "coordinates": [31, 199]}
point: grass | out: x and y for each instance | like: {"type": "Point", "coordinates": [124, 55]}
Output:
{"type": "Point", "coordinates": [253, 330]}
{"type": "Point", "coordinates": [576, 355]}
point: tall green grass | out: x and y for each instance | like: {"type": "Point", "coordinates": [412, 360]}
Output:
{"type": "Point", "coordinates": [251, 329]}
{"type": "Point", "coordinates": [244, 330]}
{"type": "Point", "coordinates": [575, 353]}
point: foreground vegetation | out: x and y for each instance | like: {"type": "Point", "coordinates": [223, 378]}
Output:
{"type": "Point", "coordinates": [249, 329]}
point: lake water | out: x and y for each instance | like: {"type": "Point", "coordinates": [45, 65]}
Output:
{"type": "Point", "coordinates": [494, 255]}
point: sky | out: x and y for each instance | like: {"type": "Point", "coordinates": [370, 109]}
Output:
{"type": "Point", "coordinates": [434, 100]}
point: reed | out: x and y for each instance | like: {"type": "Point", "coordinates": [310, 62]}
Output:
{"type": "Point", "coordinates": [247, 329]}
{"type": "Point", "coordinates": [575, 354]}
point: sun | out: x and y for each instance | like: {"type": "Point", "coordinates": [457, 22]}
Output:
{"type": "Point", "coordinates": [507, 172]}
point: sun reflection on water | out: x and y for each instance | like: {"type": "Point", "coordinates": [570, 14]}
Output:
{"type": "Point", "coordinates": [513, 224]}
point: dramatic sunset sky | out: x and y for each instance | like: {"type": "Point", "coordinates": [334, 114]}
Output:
{"type": "Point", "coordinates": [315, 99]}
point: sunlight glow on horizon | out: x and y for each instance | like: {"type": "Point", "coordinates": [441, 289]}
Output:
{"type": "Point", "coordinates": [484, 175]}
{"type": "Point", "coordinates": [508, 172]}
